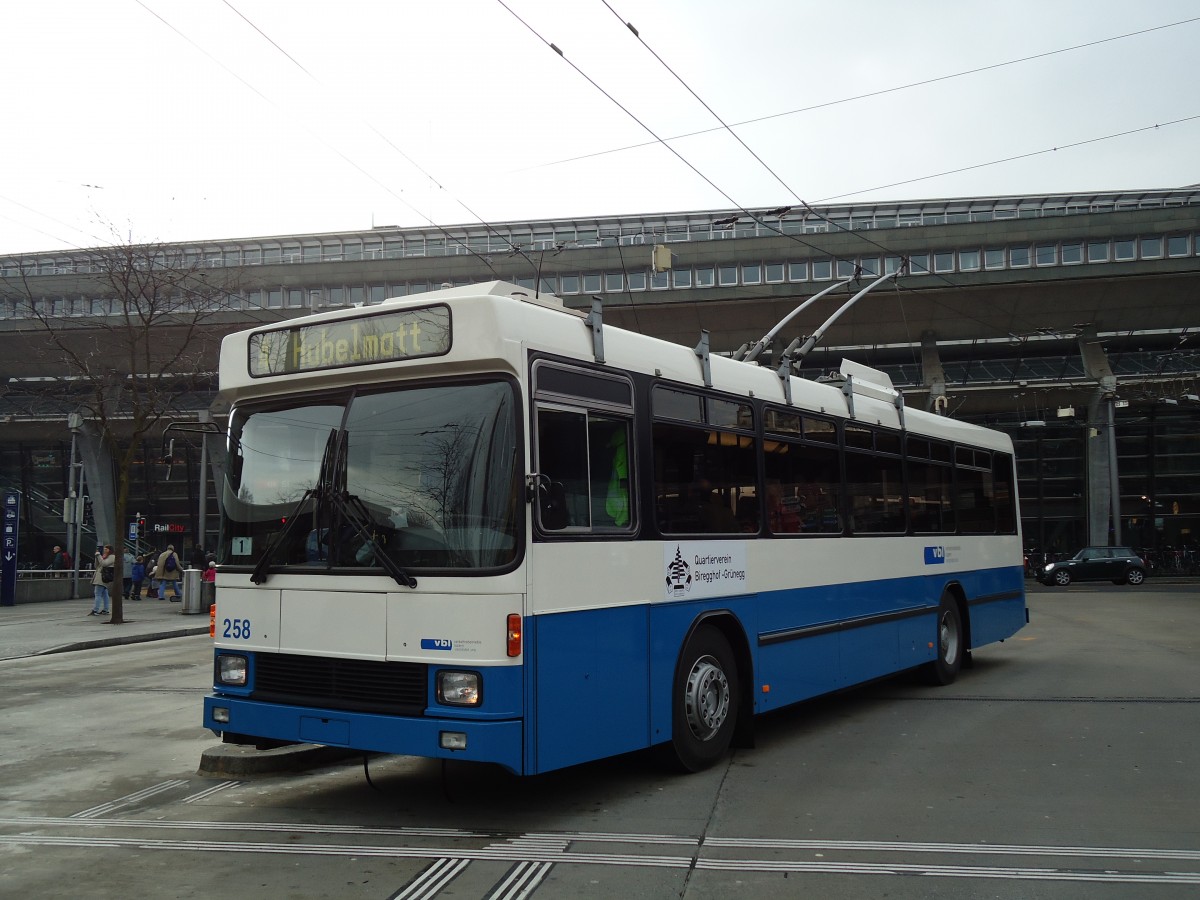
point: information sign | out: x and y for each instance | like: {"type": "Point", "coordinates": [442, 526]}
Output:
{"type": "Point", "coordinates": [12, 531]}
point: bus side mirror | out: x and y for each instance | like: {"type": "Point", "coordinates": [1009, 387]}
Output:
{"type": "Point", "coordinates": [552, 506]}
{"type": "Point", "coordinates": [550, 498]}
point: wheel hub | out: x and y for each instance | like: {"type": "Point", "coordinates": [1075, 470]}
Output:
{"type": "Point", "coordinates": [706, 698]}
{"type": "Point", "coordinates": [948, 641]}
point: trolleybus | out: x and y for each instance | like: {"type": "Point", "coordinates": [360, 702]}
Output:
{"type": "Point", "coordinates": [474, 524]}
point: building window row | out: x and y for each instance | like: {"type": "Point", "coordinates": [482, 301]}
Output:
{"type": "Point", "coordinates": [748, 274]}
{"type": "Point", "coordinates": [549, 236]}
{"type": "Point", "coordinates": [975, 259]}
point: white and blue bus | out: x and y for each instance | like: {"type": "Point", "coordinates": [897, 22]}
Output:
{"type": "Point", "coordinates": [473, 524]}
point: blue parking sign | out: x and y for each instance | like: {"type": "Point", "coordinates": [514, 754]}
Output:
{"type": "Point", "coordinates": [12, 536]}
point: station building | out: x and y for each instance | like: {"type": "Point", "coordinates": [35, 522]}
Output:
{"type": "Point", "coordinates": [1069, 321]}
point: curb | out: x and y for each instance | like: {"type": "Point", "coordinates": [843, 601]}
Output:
{"type": "Point", "coordinates": [121, 639]}
{"type": "Point", "coordinates": [226, 760]}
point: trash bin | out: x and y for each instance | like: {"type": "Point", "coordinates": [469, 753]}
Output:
{"type": "Point", "coordinates": [192, 599]}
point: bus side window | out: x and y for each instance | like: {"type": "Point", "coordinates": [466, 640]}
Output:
{"type": "Point", "coordinates": [609, 464]}
{"type": "Point", "coordinates": [583, 461]}
{"type": "Point", "coordinates": [562, 463]}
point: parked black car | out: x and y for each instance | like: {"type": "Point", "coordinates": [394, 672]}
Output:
{"type": "Point", "coordinates": [1120, 565]}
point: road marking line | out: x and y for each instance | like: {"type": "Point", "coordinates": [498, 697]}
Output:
{"type": "Point", "coordinates": [128, 799]}
{"type": "Point", "coordinates": [431, 880]}
{"type": "Point", "coordinates": [978, 849]}
{"type": "Point", "coordinates": [536, 854]}
{"type": "Point", "coordinates": [520, 881]}
{"type": "Point", "coordinates": [224, 785]}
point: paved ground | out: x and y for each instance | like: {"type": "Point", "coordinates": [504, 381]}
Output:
{"type": "Point", "coordinates": [1063, 766]}
{"type": "Point", "coordinates": [39, 629]}
{"type": "Point", "coordinates": [30, 629]}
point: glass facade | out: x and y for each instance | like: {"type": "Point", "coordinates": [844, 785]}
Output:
{"type": "Point", "coordinates": [170, 506]}
{"type": "Point", "coordinates": [1158, 466]}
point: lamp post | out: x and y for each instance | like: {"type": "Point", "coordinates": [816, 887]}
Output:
{"type": "Point", "coordinates": [75, 505]}
{"type": "Point", "coordinates": [1114, 480]}
{"type": "Point", "coordinates": [204, 417]}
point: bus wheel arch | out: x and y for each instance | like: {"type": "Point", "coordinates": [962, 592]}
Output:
{"type": "Point", "coordinates": [711, 706]}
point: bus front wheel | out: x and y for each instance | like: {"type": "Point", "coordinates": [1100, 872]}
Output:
{"type": "Point", "coordinates": [705, 700]}
{"type": "Point", "coordinates": [950, 643]}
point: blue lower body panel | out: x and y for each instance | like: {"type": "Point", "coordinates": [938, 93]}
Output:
{"type": "Point", "coordinates": [591, 686]}
{"type": "Point", "coordinates": [497, 741]}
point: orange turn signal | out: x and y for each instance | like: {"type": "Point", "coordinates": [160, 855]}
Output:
{"type": "Point", "coordinates": [514, 635]}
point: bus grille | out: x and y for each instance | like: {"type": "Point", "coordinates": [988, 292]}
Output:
{"type": "Point", "coordinates": [395, 688]}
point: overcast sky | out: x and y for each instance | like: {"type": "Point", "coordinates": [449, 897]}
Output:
{"type": "Point", "coordinates": [183, 120]}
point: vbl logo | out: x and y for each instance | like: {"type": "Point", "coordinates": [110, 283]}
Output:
{"type": "Point", "coordinates": [935, 556]}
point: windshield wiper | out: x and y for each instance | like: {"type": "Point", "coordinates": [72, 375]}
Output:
{"type": "Point", "coordinates": [317, 493]}
{"type": "Point", "coordinates": [351, 508]}
{"type": "Point", "coordinates": [334, 501]}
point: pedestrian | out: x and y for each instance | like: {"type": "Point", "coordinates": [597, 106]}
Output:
{"type": "Point", "coordinates": [127, 571]}
{"type": "Point", "coordinates": [60, 561]}
{"type": "Point", "coordinates": [168, 570]}
{"type": "Point", "coordinates": [151, 581]}
{"type": "Point", "coordinates": [105, 565]}
{"type": "Point", "coordinates": [136, 576]}
{"type": "Point", "coordinates": [210, 573]}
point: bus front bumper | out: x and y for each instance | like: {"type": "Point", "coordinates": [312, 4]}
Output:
{"type": "Point", "coordinates": [494, 741]}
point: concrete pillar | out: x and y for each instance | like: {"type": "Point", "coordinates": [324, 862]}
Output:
{"type": "Point", "coordinates": [1104, 500]}
{"type": "Point", "coordinates": [98, 475]}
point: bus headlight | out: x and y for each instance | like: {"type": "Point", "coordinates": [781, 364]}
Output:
{"type": "Point", "coordinates": [459, 688]}
{"type": "Point", "coordinates": [232, 669]}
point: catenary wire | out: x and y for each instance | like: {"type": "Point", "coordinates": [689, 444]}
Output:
{"type": "Point", "coordinates": [675, 152]}
{"type": "Point", "coordinates": [516, 248]}
{"type": "Point", "coordinates": [744, 145]}
{"type": "Point", "coordinates": [359, 168]}
{"type": "Point", "coordinates": [877, 93]}
{"type": "Point", "coordinates": [996, 162]}
{"type": "Point", "coordinates": [899, 290]}
{"type": "Point", "coordinates": [750, 215]}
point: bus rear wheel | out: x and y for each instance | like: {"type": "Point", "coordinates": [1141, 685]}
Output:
{"type": "Point", "coordinates": [705, 701]}
{"type": "Point", "coordinates": [950, 641]}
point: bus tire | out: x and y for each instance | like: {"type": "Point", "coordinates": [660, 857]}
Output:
{"type": "Point", "coordinates": [949, 643]}
{"type": "Point", "coordinates": [704, 705]}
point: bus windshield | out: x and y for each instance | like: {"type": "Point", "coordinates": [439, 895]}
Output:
{"type": "Point", "coordinates": [426, 475]}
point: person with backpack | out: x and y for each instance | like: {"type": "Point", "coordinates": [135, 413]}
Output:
{"type": "Point", "coordinates": [169, 571]}
{"type": "Point", "coordinates": [60, 561]}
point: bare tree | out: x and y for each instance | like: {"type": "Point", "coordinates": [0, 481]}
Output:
{"type": "Point", "coordinates": [145, 338]}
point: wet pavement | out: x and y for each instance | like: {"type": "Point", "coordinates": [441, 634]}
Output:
{"type": "Point", "coordinates": [32, 629]}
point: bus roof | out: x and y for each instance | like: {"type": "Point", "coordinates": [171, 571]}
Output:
{"type": "Point", "coordinates": [492, 326]}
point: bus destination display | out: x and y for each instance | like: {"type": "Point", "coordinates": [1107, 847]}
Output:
{"type": "Point", "coordinates": [361, 341]}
